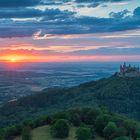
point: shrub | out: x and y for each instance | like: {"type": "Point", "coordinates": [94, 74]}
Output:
{"type": "Point", "coordinates": [110, 130]}
{"type": "Point", "coordinates": [60, 129]}
{"type": "Point", "coordinates": [83, 133]}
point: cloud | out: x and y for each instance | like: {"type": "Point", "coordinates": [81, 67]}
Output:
{"type": "Point", "coordinates": [32, 13]}
{"type": "Point", "coordinates": [10, 32]}
{"type": "Point", "coordinates": [22, 13]}
{"type": "Point", "coordinates": [55, 14]}
{"type": "Point", "coordinates": [56, 21]}
{"type": "Point", "coordinates": [121, 14]}
{"type": "Point", "coordinates": [18, 3]}
{"type": "Point", "coordinates": [54, 2]}
{"type": "Point", "coordinates": [95, 3]}
{"type": "Point", "coordinates": [29, 3]}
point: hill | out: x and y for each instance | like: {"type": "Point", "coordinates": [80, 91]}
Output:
{"type": "Point", "coordinates": [76, 124]}
{"type": "Point", "coordinates": [118, 94]}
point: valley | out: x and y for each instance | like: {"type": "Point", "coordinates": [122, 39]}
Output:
{"type": "Point", "coordinates": [27, 80]}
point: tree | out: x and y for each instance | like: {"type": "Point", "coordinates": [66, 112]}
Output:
{"type": "Point", "coordinates": [26, 133]}
{"type": "Point", "coordinates": [100, 123]}
{"type": "Point", "coordinates": [91, 115]}
{"type": "Point", "coordinates": [60, 129]}
{"type": "Point", "coordinates": [138, 139]}
{"type": "Point", "coordinates": [83, 133]}
{"type": "Point", "coordinates": [110, 130]}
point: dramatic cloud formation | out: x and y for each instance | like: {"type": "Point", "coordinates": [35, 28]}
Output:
{"type": "Point", "coordinates": [70, 28]}
{"type": "Point", "coordinates": [54, 21]}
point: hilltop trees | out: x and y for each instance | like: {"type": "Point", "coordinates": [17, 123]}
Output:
{"type": "Point", "coordinates": [88, 122]}
{"type": "Point", "coordinates": [60, 129]}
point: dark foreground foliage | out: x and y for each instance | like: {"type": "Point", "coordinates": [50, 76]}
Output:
{"type": "Point", "coordinates": [90, 121]}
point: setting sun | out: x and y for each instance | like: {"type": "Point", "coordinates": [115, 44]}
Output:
{"type": "Point", "coordinates": [13, 60]}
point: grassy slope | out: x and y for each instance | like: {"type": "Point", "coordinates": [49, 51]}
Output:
{"type": "Point", "coordinates": [43, 133]}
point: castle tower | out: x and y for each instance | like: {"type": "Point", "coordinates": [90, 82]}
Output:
{"type": "Point", "coordinates": [124, 65]}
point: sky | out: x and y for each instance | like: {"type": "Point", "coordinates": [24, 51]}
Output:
{"type": "Point", "coordinates": [69, 30]}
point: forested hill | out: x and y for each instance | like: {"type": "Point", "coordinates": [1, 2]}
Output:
{"type": "Point", "coordinates": [120, 95]}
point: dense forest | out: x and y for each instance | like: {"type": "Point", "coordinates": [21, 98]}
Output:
{"type": "Point", "coordinates": [120, 95]}
{"type": "Point", "coordinates": [89, 123]}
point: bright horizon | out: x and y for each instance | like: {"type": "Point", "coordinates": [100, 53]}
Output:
{"type": "Point", "coordinates": [69, 31]}
{"type": "Point", "coordinates": [67, 58]}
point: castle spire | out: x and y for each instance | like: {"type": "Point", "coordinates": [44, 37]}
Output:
{"type": "Point", "coordinates": [124, 65]}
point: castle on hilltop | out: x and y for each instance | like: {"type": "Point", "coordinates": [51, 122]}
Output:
{"type": "Point", "coordinates": [128, 71]}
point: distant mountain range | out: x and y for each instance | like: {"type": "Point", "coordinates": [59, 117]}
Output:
{"type": "Point", "coordinates": [118, 94]}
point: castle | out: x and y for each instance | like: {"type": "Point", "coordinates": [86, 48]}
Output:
{"type": "Point", "coordinates": [128, 71]}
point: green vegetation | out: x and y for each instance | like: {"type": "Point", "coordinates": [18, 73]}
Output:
{"type": "Point", "coordinates": [43, 133]}
{"type": "Point", "coordinates": [83, 133]}
{"type": "Point", "coordinates": [110, 130]}
{"type": "Point", "coordinates": [60, 129]}
{"type": "Point", "coordinates": [121, 95]}
{"type": "Point", "coordinates": [106, 124]}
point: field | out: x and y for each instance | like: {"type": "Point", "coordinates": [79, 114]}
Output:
{"type": "Point", "coordinates": [43, 133]}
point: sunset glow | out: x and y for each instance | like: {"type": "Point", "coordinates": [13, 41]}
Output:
{"type": "Point", "coordinates": [66, 58]}
{"type": "Point", "coordinates": [13, 60]}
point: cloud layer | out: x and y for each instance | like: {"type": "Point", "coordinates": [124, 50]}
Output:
{"type": "Point", "coordinates": [56, 21]}
{"type": "Point", "coordinates": [70, 28]}
{"type": "Point", "coordinates": [35, 16]}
